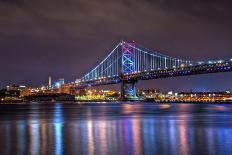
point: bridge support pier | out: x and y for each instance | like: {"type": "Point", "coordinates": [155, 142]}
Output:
{"type": "Point", "coordinates": [128, 91]}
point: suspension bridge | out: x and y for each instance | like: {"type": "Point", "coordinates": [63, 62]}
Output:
{"type": "Point", "coordinates": [128, 62]}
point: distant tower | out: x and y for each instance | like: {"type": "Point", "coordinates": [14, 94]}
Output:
{"type": "Point", "coordinates": [50, 82]}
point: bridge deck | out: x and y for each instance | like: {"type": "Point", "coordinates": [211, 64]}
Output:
{"type": "Point", "coordinates": [164, 73]}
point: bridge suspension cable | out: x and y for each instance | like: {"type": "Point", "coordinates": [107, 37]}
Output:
{"type": "Point", "coordinates": [128, 58]}
{"type": "Point", "coordinates": [147, 60]}
{"type": "Point", "coordinates": [107, 68]}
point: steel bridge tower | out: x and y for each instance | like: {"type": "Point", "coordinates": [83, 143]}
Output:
{"type": "Point", "coordinates": [128, 90]}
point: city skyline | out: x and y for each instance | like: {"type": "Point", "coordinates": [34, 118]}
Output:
{"type": "Point", "coordinates": [124, 77]}
{"type": "Point", "coordinates": [62, 41]}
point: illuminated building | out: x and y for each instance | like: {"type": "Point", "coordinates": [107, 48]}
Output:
{"type": "Point", "coordinates": [65, 88]}
{"type": "Point", "coordinates": [92, 94]}
{"type": "Point", "coordinates": [77, 80]}
{"type": "Point", "coordinates": [61, 81]}
{"type": "Point", "coordinates": [16, 87]}
{"type": "Point", "coordinates": [49, 82]}
{"type": "Point", "coordinates": [26, 92]}
{"type": "Point", "coordinates": [12, 92]}
{"type": "Point", "coordinates": [205, 96]}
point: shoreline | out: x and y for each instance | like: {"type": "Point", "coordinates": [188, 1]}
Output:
{"type": "Point", "coordinates": [115, 102]}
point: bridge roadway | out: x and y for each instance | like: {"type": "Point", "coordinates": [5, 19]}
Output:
{"type": "Point", "coordinates": [207, 68]}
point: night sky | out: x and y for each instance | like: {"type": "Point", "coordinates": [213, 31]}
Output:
{"type": "Point", "coordinates": [66, 38]}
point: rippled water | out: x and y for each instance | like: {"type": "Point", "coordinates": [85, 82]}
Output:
{"type": "Point", "coordinates": [121, 129]}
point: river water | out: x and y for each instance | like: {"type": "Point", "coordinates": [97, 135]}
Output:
{"type": "Point", "coordinates": [120, 129]}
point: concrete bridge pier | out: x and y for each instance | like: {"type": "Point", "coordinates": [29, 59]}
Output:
{"type": "Point", "coordinates": [128, 90]}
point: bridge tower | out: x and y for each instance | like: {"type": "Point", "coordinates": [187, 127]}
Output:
{"type": "Point", "coordinates": [128, 90]}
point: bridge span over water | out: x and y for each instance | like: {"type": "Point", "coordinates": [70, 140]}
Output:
{"type": "Point", "coordinates": [128, 62]}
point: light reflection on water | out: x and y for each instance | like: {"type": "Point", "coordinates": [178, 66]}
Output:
{"type": "Point", "coordinates": [115, 129]}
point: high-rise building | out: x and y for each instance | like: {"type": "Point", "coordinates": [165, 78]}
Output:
{"type": "Point", "coordinates": [50, 82]}
{"type": "Point", "coordinates": [61, 81]}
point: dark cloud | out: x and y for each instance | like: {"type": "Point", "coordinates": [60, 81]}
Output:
{"type": "Point", "coordinates": [66, 38]}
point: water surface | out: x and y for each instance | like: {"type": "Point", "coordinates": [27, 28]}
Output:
{"type": "Point", "coordinates": [120, 129]}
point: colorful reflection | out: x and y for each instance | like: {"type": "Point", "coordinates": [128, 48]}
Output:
{"type": "Point", "coordinates": [117, 129]}
{"type": "Point", "coordinates": [58, 124]}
